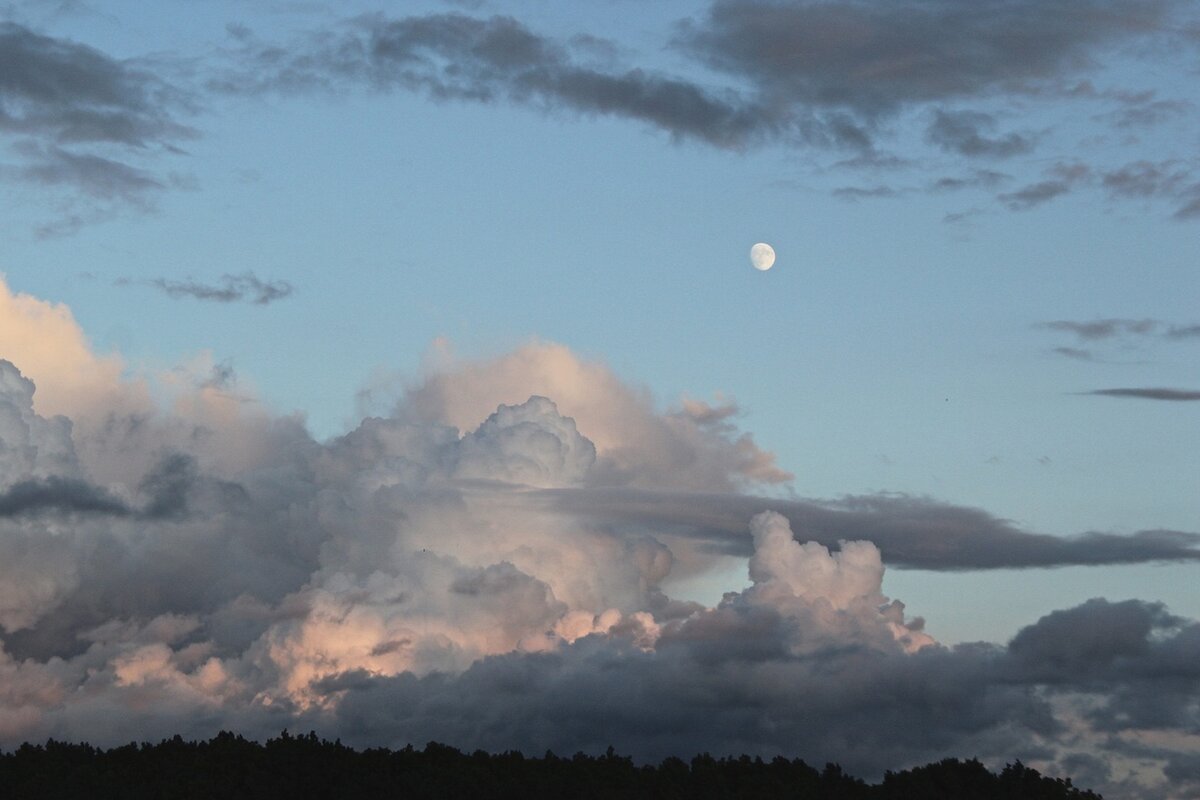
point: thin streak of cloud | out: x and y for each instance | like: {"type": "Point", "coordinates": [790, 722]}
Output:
{"type": "Point", "coordinates": [1076, 353]}
{"type": "Point", "coordinates": [1097, 329]}
{"type": "Point", "coordinates": [1170, 395]}
{"type": "Point", "coordinates": [246, 287]}
{"type": "Point", "coordinates": [911, 532]}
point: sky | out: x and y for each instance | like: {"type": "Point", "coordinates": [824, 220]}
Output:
{"type": "Point", "coordinates": [399, 371]}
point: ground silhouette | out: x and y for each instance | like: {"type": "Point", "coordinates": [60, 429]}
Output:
{"type": "Point", "coordinates": [229, 766]}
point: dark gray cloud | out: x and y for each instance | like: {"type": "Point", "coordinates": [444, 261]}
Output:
{"type": "Point", "coordinates": [1144, 179]}
{"type": "Point", "coordinates": [812, 73]}
{"type": "Point", "coordinates": [963, 132]}
{"type": "Point", "coordinates": [230, 289]}
{"type": "Point", "coordinates": [1190, 209]}
{"type": "Point", "coordinates": [723, 685]}
{"type": "Point", "coordinates": [1166, 180]}
{"type": "Point", "coordinates": [1174, 395]}
{"type": "Point", "coordinates": [911, 532]}
{"type": "Point", "coordinates": [81, 119]}
{"type": "Point", "coordinates": [1060, 180]}
{"type": "Point", "coordinates": [1142, 111]}
{"type": "Point", "coordinates": [874, 57]}
{"type": "Point", "coordinates": [1134, 108]}
{"type": "Point", "coordinates": [1183, 332]}
{"type": "Point", "coordinates": [57, 494]}
{"type": "Point", "coordinates": [453, 56]}
{"type": "Point", "coordinates": [65, 92]}
{"type": "Point", "coordinates": [724, 682]}
{"type": "Point", "coordinates": [93, 175]}
{"type": "Point", "coordinates": [1079, 644]}
{"type": "Point", "coordinates": [1035, 194]}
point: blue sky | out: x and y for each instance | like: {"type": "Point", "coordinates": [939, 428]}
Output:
{"type": "Point", "coordinates": [983, 216]}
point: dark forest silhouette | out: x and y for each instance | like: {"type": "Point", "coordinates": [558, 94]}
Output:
{"type": "Point", "coordinates": [229, 766]}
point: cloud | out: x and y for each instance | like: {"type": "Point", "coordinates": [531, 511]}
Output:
{"type": "Point", "coordinates": [725, 681]}
{"type": "Point", "coordinates": [1174, 395]}
{"type": "Point", "coordinates": [1076, 353]}
{"type": "Point", "coordinates": [1123, 330]}
{"type": "Point", "coordinates": [62, 91]}
{"type": "Point", "coordinates": [81, 119]}
{"type": "Point", "coordinates": [1183, 332]}
{"type": "Point", "coordinates": [911, 532]}
{"type": "Point", "coordinates": [487, 563]}
{"type": "Point", "coordinates": [962, 132]}
{"type": "Point", "coordinates": [57, 494]}
{"type": "Point", "coordinates": [1062, 179]}
{"type": "Point", "coordinates": [230, 289]}
{"type": "Point", "coordinates": [798, 74]}
{"type": "Point", "coordinates": [693, 447]}
{"type": "Point", "coordinates": [980, 178]}
{"type": "Point", "coordinates": [872, 57]}
{"type": "Point", "coordinates": [91, 174]}
{"type": "Point", "coordinates": [1093, 330]}
{"type": "Point", "coordinates": [458, 57]}
{"type": "Point", "coordinates": [856, 193]}
{"type": "Point", "coordinates": [1165, 180]}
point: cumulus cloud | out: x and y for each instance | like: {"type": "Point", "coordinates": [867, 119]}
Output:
{"type": "Point", "coordinates": [693, 447]}
{"type": "Point", "coordinates": [486, 564]}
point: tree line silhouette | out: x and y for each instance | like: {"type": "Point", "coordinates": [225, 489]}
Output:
{"type": "Point", "coordinates": [229, 766]}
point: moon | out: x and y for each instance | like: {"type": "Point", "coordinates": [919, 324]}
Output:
{"type": "Point", "coordinates": [762, 256]}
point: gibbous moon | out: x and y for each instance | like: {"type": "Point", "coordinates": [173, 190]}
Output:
{"type": "Point", "coordinates": [762, 256]}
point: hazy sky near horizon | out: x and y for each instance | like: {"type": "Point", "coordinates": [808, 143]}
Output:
{"type": "Point", "coordinates": [232, 231]}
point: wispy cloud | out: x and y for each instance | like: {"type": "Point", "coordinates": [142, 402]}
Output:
{"type": "Point", "coordinates": [1097, 329]}
{"type": "Point", "coordinates": [1120, 330]}
{"type": "Point", "coordinates": [1060, 180]}
{"type": "Point", "coordinates": [246, 287]}
{"type": "Point", "coordinates": [796, 74]}
{"type": "Point", "coordinates": [1077, 353]}
{"type": "Point", "coordinates": [963, 132]}
{"type": "Point", "coordinates": [82, 120]}
{"type": "Point", "coordinates": [458, 57]}
{"type": "Point", "coordinates": [1172, 395]}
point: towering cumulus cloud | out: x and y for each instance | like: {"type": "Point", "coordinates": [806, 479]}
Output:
{"type": "Point", "coordinates": [489, 564]}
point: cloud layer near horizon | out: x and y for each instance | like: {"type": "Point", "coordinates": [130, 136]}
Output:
{"type": "Point", "coordinates": [487, 564]}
